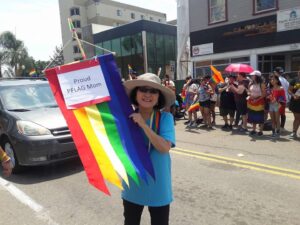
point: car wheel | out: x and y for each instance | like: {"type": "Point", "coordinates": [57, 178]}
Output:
{"type": "Point", "coordinates": [8, 148]}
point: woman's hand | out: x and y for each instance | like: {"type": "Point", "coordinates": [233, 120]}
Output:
{"type": "Point", "coordinates": [7, 168]}
{"type": "Point", "coordinates": [138, 119]}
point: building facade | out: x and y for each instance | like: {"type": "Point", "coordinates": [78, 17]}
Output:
{"type": "Point", "coordinates": [262, 33]}
{"type": "Point", "coordinates": [93, 16]}
{"type": "Point", "coordinates": [145, 46]}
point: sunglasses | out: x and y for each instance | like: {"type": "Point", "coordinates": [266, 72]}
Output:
{"type": "Point", "coordinates": [148, 90]}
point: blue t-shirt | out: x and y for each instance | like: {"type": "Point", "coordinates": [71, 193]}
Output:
{"type": "Point", "coordinates": [157, 192]}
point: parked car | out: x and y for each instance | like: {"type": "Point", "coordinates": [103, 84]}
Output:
{"type": "Point", "coordinates": [33, 130]}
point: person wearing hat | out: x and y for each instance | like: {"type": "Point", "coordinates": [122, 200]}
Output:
{"type": "Point", "coordinates": [149, 97]}
{"type": "Point", "coordinates": [278, 71]}
{"type": "Point", "coordinates": [256, 102]}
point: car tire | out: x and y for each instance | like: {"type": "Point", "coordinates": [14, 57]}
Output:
{"type": "Point", "coordinates": [8, 148]}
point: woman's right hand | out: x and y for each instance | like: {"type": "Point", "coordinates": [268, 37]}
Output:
{"type": "Point", "coordinates": [7, 168]}
{"type": "Point", "coordinates": [138, 119]}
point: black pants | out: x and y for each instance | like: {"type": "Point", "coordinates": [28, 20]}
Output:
{"type": "Point", "coordinates": [282, 120]}
{"type": "Point", "coordinates": [133, 213]}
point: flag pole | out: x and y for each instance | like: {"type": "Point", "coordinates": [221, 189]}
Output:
{"type": "Point", "coordinates": [72, 29]}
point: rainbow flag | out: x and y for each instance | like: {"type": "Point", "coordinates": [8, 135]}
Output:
{"type": "Point", "coordinates": [110, 145]}
{"type": "Point", "coordinates": [217, 75]}
{"type": "Point", "coordinates": [32, 73]}
{"type": "Point", "coordinates": [193, 107]}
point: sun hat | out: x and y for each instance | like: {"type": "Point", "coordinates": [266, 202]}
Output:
{"type": "Point", "coordinates": [255, 73]}
{"type": "Point", "coordinates": [151, 80]}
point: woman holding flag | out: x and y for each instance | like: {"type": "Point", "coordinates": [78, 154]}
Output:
{"type": "Point", "coordinates": [147, 93]}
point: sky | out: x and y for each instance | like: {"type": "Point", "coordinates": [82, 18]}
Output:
{"type": "Point", "coordinates": [37, 22]}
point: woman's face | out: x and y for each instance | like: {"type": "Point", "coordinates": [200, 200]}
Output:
{"type": "Point", "coordinates": [147, 97]}
{"type": "Point", "coordinates": [273, 81]}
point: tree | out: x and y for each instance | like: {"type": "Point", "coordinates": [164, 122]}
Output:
{"type": "Point", "coordinates": [58, 58]}
{"type": "Point", "coordinates": [12, 52]}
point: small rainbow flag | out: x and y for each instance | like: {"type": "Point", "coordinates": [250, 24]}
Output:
{"type": "Point", "coordinates": [111, 146]}
{"type": "Point", "coordinates": [32, 73]}
{"type": "Point", "coordinates": [217, 75]}
{"type": "Point", "coordinates": [193, 107]}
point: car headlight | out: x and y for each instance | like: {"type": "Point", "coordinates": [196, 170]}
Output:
{"type": "Point", "coordinates": [28, 128]}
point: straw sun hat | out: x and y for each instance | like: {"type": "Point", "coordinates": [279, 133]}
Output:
{"type": "Point", "coordinates": [151, 80]}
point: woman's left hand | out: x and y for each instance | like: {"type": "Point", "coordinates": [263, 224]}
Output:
{"type": "Point", "coordinates": [137, 118]}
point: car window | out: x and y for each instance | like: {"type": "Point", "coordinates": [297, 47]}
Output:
{"type": "Point", "coordinates": [27, 97]}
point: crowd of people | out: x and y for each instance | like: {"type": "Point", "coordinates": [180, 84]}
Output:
{"type": "Point", "coordinates": [244, 99]}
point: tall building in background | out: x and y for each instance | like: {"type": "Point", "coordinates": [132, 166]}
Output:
{"type": "Point", "coordinates": [263, 33]}
{"type": "Point", "coordinates": [93, 16]}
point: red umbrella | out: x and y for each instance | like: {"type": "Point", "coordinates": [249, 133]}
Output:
{"type": "Point", "coordinates": [239, 68]}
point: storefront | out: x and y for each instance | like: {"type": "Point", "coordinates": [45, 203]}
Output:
{"type": "Point", "coordinates": [264, 43]}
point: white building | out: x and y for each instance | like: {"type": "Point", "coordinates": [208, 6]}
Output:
{"type": "Point", "coordinates": [93, 16]}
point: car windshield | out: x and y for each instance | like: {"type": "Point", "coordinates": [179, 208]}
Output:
{"type": "Point", "coordinates": [27, 97]}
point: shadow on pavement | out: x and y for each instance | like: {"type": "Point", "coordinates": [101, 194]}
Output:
{"type": "Point", "coordinates": [37, 174]}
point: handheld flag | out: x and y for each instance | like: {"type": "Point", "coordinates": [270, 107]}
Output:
{"type": "Point", "coordinates": [217, 75]}
{"type": "Point", "coordinates": [94, 103]}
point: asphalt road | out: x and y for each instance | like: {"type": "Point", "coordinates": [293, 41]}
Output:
{"type": "Point", "coordinates": [219, 178]}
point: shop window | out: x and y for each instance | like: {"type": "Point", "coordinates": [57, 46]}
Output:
{"type": "Point", "coordinates": [217, 11]}
{"type": "Point", "coordinates": [74, 11]}
{"type": "Point", "coordinates": [76, 24]}
{"type": "Point", "coordinates": [265, 5]}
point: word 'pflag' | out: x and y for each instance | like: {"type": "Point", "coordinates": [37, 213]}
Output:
{"type": "Point", "coordinates": [94, 103]}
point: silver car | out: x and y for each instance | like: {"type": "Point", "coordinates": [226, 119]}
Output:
{"type": "Point", "coordinates": [33, 130]}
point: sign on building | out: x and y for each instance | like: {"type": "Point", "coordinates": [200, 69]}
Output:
{"type": "Point", "coordinates": [203, 49]}
{"type": "Point", "coordinates": [288, 19]}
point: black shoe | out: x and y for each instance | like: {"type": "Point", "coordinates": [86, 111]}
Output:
{"type": "Point", "coordinates": [230, 127]}
{"type": "Point", "coordinates": [225, 126]}
{"type": "Point", "coordinates": [186, 122]}
{"type": "Point", "coordinates": [253, 132]}
{"type": "Point", "coordinates": [260, 133]}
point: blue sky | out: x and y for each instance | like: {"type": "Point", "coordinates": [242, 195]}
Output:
{"type": "Point", "coordinates": [37, 22]}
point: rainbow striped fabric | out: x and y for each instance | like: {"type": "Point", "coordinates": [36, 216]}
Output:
{"type": "Point", "coordinates": [32, 73]}
{"type": "Point", "coordinates": [217, 75]}
{"type": "Point", "coordinates": [110, 145]}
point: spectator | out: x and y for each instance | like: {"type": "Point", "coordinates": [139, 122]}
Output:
{"type": "Point", "coordinates": [240, 95]}
{"type": "Point", "coordinates": [227, 103]}
{"type": "Point", "coordinates": [294, 91]}
{"type": "Point", "coordinates": [191, 96]}
{"type": "Point", "coordinates": [171, 85]}
{"type": "Point", "coordinates": [256, 102]}
{"type": "Point", "coordinates": [285, 84]}
{"type": "Point", "coordinates": [204, 93]}
{"type": "Point", "coordinates": [275, 98]}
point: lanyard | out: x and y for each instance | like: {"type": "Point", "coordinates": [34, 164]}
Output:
{"type": "Point", "coordinates": [151, 126]}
